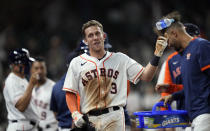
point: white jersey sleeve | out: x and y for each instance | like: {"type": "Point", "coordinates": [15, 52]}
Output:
{"type": "Point", "coordinates": [161, 76]}
{"type": "Point", "coordinates": [71, 85]}
{"type": "Point", "coordinates": [134, 69]}
{"type": "Point", "coordinates": [14, 92]}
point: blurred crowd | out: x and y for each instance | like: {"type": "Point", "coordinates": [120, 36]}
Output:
{"type": "Point", "coordinates": [52, 29]}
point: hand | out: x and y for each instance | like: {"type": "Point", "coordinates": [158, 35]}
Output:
{"type": "Point", "coordinates": [160, 88]}
{"type": "Point", "coordinates": [78, 119]}
{"type": "Point", "coordinates": [161, 44]}
{"type": "Point", "coordinates": [34, 78]}
{"type": "Point", "coordinates": [166, 99]}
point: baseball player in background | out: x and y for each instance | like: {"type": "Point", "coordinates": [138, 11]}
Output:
{"type": "Point", "coordinates": [41, 96]}
{"type": "Point", "coordinates": [169, 80]}
{"type": "Point", "coordinates": [101, 77]}
{"type": "Point", "coordinates": [22, 112]}
{"type": "Point", "coordinates": [58, 99]}
{"type": "Point", "coordinates": [195, 70]}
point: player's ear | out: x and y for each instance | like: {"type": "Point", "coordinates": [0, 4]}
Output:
{"type": "Point", "coordinates": [174, 33]}
{"type": "Point", "coordinates": [104, 36]}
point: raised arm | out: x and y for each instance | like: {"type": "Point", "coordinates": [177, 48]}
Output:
{"type": "Point", "coordinates": [152, 66]}
{"type": "Point", "coordinates": [24, 100]}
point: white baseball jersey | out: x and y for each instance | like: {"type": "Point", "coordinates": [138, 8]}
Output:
{"type": "Point", "coordinates": [14, 88]}
{"type": "Point", "coordinates": [41, 97]}
{"type": "Point", "coordinates": [101, 83]}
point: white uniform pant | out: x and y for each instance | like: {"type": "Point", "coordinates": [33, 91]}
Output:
{"type": "Point", "coordinates": [63, 129]}
{"type": "Point", "coordinates": [49, 127]}
{"type": "Point", "coordinates": [21, 126]}
{"type": "Point", "coordinates": [201, 123]}
{"type": "Point", "coordinates": [112, 121]}
{"type": "Point", "coordinates": [183, 129]}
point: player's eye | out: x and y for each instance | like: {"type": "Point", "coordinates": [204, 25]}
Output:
{"type": "Point", "coordinates": [98, 33]}
{"type": "Point", "coordinates": [90, 35]}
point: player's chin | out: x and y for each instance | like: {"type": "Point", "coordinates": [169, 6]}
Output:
{"type": "Point", "coordinates": [98, 47]}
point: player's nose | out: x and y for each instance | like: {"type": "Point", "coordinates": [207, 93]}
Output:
{"type": "Point", "coordinates": [39, 71]}
{"type": "Point", "coordinates": [95, 37]}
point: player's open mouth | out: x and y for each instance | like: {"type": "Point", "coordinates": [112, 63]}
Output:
{"type": "Point", "coordinates": [96, 43]}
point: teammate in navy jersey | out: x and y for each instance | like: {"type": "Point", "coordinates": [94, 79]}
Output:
{"type": "Point", "coordinates": [58, 99]}
{"type": "Point", "coordinates": [195, 68]}
{"type": "Point", "coordinates": [169, 80]}
{"type": "Point", "coordinates": [58, 105]}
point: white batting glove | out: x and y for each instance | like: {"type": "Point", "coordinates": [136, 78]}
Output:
{"type": "Point", "coordinates": [78, 120]}
{"type": "Point", "coordinates": [161, 44]}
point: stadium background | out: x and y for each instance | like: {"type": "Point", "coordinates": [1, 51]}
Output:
{"type": "Point", "coordinates": [52, 29]}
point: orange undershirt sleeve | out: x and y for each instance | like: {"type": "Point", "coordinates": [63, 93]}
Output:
{"type": "Point", "coordinates": [72, 102]}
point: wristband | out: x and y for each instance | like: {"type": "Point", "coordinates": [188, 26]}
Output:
{"type": "Point", "coordinates": [155, 60]}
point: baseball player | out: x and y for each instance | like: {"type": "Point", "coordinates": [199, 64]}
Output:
{"type": "Point", "coordinates": [169, 80]}
{"type": "Point", "coordinates": [41, 96]}
{"type": "Point", "coordinates": [195, 69]}
{"type": "Point", "coordinates": [58, 98]}
{"type": "Point", "coordinates": [170, 74]}
{"type": "Point", "coordinates": [22, 113]}
{"type": "Point", "coordinates": [101, 80]}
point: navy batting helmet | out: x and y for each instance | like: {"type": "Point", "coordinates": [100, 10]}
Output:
{"type": "Point", "coordinates": [20, 56]}
{"type": "Point", "coordinates": [82, 47]}
{"type": "Point", "coordinates": [192, 29]}
{"type": "Point", "coordinates": [107, 45]}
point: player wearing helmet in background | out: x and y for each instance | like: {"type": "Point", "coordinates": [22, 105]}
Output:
{"type": "Point", "coordinates": [22, 113]}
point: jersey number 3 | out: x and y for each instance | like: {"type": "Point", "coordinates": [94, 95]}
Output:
{"type": "Point", "coordinates": [114, 88]}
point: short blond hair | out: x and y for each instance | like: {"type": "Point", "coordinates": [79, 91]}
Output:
{"type": "Point", "coordinates": [91, 23]}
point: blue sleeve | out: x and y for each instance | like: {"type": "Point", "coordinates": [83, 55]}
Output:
{"type": "Point", "coordinates": [53, 105]}
{"type": "Point", "coordinates": [178, 95]}
{"type": "Point", "coordinates": [204, 56]}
